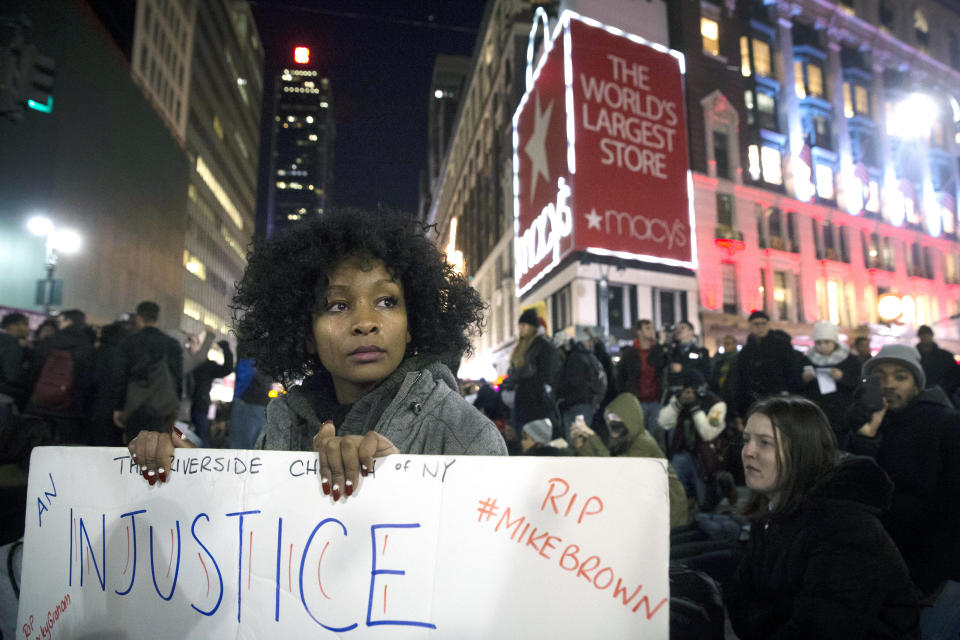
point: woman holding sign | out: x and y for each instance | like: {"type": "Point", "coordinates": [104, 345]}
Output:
{"type": "Point", "coordinates": [819, 564]}
{"type": "Point", "coordinates": [365, 311]}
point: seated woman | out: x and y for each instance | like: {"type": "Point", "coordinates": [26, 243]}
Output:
{"type": "Point", "coordinates": [819, 564]}
{"type": "Point", "coordinates": [365, 310]}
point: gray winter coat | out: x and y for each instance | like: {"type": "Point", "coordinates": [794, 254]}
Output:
{"type": "Point", "coordinates": [417, 408]}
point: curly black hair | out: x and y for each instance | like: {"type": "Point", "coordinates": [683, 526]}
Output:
{"type": "Point", "coordinates": [286, 279]}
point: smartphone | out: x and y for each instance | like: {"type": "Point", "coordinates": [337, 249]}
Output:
{"type": "Point", "coordinates": [870, 393]}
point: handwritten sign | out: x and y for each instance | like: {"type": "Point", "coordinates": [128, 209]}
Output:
{"type": "Point", "coordinates": [244, 544]}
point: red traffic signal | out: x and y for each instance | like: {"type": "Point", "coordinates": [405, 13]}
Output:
{"type": "Point", "coordinates": [301, 55]}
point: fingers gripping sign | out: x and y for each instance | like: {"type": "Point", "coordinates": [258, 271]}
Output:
{"type": "Point", "coordinates": [153, 451]}
{"type": "Point", "coordinates": [344, 458]}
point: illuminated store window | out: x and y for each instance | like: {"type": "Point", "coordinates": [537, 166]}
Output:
{"type": "Point", "coordinates": [710, 32]}
{"type": "Point", "coordinates": [771, 164]}
{"type": "Point", "coordinates": [824, 180]}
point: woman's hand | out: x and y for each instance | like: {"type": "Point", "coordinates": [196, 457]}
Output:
{"type": "Point", "coordinates": [808, 375]}
{"type": "Point", "coordinates": [835, 373]}
{"type": "Point", "coordinates": [153, 451]}
{"type": "Point", "coordinates": [344, 458]}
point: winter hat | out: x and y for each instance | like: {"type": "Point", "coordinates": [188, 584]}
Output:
{"type": "Point", "coordinates": [902, 354]}
{"type": "Point", "coordinates": [758, 314]}
{"type": "Point", "coordinates": [824, 330]}
{"type": "Point", "coordinates": [529, 317]}
{"type": "Point", "coordinates": [540, 431]}
{"type": "Point", "coordinates": [693, 379]}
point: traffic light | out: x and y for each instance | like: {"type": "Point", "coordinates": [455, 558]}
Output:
{"type": "Point", "coordinates": [26, 80]}
{"type": "Point", "coordinates": [36, 72]}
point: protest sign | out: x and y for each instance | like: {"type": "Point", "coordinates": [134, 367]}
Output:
{"type": "Point", "coordinates": [244, 544]}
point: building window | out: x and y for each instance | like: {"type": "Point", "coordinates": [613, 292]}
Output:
{"type": "Point", "coordinates": [782, 296]}
{"type": "Point", "coordinates": [729, 277]}
{"type": "Point", "coordinates": [887, 14]}
{"type": "Point", "coordinates": [721, 154]}
{"type": "Point", "coordinates": [710, 32]}
{"type": "Point", "coordinates": [561, 308]}
{"type": "Point", "coordinates": [824, 181]}
{"type": "Point", "coordinates": [953, 46]}
{"type": "Point", "coordinates": [808, 79]}
{"type": "Point", "coordinates": [951, 268]}
{"type": "Point", "coordinates": [754, 57]}
{"type": "Point", "coordinates": [761, 109]}
{"type": "Point", "coordinates": [726, 228]}
{"type": "Point", "coordinates": [771, 165]}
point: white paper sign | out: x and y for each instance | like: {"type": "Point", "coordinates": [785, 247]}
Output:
{"type": "Point", "coordinates": [825, 382]}
{"type": "Point", "coordinates": [243, 544]}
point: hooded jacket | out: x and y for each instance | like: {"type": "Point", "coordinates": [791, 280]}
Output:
{"type": "Point", "coordinates": [417, 407]}
{"type": "Point", "coordinates": [75, 339]}
{"type": "Point", "coordinates": [640, 445]}
{"type": "Point", "coordinates": [919, 448]}
{"type": "Point", "coordinates": [827, 569]}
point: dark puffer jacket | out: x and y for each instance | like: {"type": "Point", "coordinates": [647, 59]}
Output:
{"type": "Point", "coordinates": [766, 367]}
{"type": "Point", "coordinates": [828, 569]}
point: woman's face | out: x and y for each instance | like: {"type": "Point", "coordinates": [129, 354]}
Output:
{"type": "Point", "coordinates": [760, 453]}
{"type": "Point", "coordinates": [825, 347]}
{"type": "Point", "coordinates": [360, 330]}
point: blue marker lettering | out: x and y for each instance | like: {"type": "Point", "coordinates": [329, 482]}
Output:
{"type": "Point", "coordinates": [133, 527]}
{"type": "Point", "coordinates": [374, 572]}
{"type": "Point", "coordinates": [303, 561]}
{"type": "Point", "coordinates": [193, 532]}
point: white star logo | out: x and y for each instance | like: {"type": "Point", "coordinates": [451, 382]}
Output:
{"type": "Point", "coordinates": [536, 147]}
{"type": "Point", "coordinates": [593, 219]}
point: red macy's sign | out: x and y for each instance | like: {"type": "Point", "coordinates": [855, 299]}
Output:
{"type": "Point", "coordinates": [600, 153]}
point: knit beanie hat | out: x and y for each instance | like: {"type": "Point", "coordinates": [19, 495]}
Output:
{"type": "Point", "coordinates": [540, 431]}
{"type": "Point", "coordinates": [901, 354]}
{"type": "Point", "coordinates": [529, 317]}
{"type": "Point", "coordinates": [824, 330]}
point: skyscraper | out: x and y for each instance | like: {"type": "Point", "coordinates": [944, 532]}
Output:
{"type": "Point", "coordinates": [301, 145]}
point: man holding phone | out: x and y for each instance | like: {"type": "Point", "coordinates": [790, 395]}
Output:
{"type": "Point", "coordinates": [914, 435]}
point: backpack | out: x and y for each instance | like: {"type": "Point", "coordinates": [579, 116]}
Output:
{"type": "Point", "coordinates": [154, 390]}
{"type": "Point", "coordinates": [54, 390]}
{"type": "Point", "coordinates": [598, 380]}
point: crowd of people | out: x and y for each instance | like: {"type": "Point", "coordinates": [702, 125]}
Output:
{"type": "Point", "coordinates": [851, 460]}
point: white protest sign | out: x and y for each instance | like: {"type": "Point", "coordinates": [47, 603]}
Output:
{"type": "Point", "coordinates": [243, 544]}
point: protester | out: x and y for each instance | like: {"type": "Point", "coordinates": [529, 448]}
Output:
{"type": "Point", "coordinates": [640, 372]}
{"type": "Point", "coordinates": [364, 308]}
{"type": "Point", "coordinates": [723, 370]}
{"type": "Point", "coordinates": [938, 364]}
{"type": "Point", "coordinates": [818, 564]}
{"type": "Point", "coordinates": [146, 377]}
{"type": "Point", "coordinates": [915, 437]}
{"type": "Point", "coordinates": [628, 438]}
{"type": "Point", "coordinates": [683, 355]}
{"type": "Point", "coordinates": [861, 349]}
{"type": "Point", "coordinates": [767, 365]}
{"type": "Point", "coordinates": [537, 440]}
{"type": "Point", "coordinates": [61, 378]}
{"type": "Point", "coordinates": [103, 431]}
{"type": "Point", "coordinates": [533, 366]}
{"type": "Point", "coordinates": [581, 382]}
{"type": "Point", "coordinates": [198, 384]}
{"type": "Point", "coordinates": [248, 411]}
{"type": "Point", "coordinates": [14, 329]}
{"type": "Point", "coordinates": [830, 374]}
{"type": "Point", "coordinates": [694, 419]}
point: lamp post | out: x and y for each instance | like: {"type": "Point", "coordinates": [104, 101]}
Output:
{"type": "Point", "coordinates": [55, 240]}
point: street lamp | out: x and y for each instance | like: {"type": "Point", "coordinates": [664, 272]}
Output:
{"type": "Point", "coordinates": [56, 241]}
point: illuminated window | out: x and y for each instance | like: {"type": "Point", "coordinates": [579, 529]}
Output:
{"type": "Point", "coordinates": [798, 84]}
{"type": "Point", "coordinates": [921, 28]}
{"type": "Point", "coordinates": [861, 100]}
{"type": "Point", "coordinates": [873, 201]}
{"type": "Point", "coordinates": [753, 161]}
{"type": "Point", "coordinates": [782, 296]}
{"type": "Point", "coordinates": [824, 175]}
{"type": "Point", "coordinates": [814, 80]}
{"type": "Point", "coordinates": [770, 162]}
{"type": "Point", "coordinates": [761, 58]}
{"type": "Point", "coordinates": [218, 127]}
{"type": "Point", "coordinates": [745, 69]}
{"type": "Point", "coordinates": [710, 31]}
{"type": "Point", "coordinates": [767, 111]}
{"type": "Point", "coordinates": [193, 265]}
{"type": "Point", "coordinates": [219, 193]}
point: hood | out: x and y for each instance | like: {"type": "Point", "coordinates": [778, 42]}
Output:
{"type": "Point", "coordinates": [858, 479]}
{"type": "Point", "coordinates": [835, 358]}
{"type": "Point", "coordinates": [933, 395]}
{"type": "Point", "coordinates": [317, 391]}
{"type": "Point", "coordinates": [628, 408]}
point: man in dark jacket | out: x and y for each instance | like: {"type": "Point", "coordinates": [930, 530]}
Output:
{"type": "Point", "coordinates": [767, 364]}
{"type": "Point", "coordinates": [70, 413]}
{"type": "Point", "coordinates": [915, 438]}
{"type": "Point", "coordinates": [14, 328]}
{"type": "Point", "coordinates": [938, 364]}
{"type": "Point", "coordinates": [683, 355]}
{"type": "Point", "coordinates": [581, 383]}
{"type": "Point", "coordinates": [200, 381]}
{"type": "Point", "coordinates": [135, 355]}
{"type": "Point", "coordinates": [640, 372]}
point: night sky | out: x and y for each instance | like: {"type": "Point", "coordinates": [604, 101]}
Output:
{"type": "Point", "coordinates": [379, 57]}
